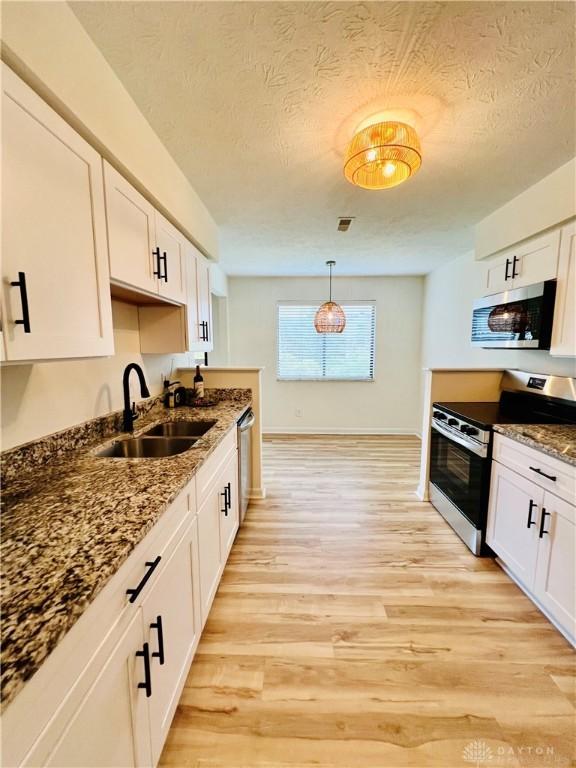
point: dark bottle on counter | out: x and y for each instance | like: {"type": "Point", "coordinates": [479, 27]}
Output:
{"type": "Point", "coordinates": [198, 385]}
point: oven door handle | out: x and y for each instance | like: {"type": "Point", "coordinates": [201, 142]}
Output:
{"type": "Point", "coordinates": [479, 450]}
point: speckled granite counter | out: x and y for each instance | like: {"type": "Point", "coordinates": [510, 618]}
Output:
{"type": "Point", "coordinates": [558, 440]}
{"type": "Point", "coordinates": [71, 518]}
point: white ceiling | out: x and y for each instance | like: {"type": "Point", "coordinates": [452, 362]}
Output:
{"type": "Point", "coordinates": [256, 101]}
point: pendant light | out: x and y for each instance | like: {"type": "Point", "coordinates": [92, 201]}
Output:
{"type": "Point", "coordinates": [330, 317]}
{"type": "Point", "coordinates": [383, 155]}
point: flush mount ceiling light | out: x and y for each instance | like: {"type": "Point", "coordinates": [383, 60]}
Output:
{"type": "Point", "coordinates": [330, 317]}
{"type": "Point", "coordinates": [383, 155]}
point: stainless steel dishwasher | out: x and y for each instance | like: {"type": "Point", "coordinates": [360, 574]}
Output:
{"type": "Point", "coordinates": [245, 424]}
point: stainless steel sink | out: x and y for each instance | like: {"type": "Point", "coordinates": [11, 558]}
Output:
{"type": "Point", "coordinates": [147, 447]}
{"type": "Point", "coordinates": [181, 428]}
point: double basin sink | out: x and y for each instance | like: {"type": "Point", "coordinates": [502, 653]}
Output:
{"type": "Point", "coordinates": [167, 439]}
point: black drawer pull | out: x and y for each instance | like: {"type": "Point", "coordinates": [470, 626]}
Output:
{"type": "Point", "coordinates": [543, 522]}
{"type": "Point", "coordinates": [165, 260]}
{"type": "Point", "coordinates": [204, 326]}
{"type": "Point", "coordinates": [21, 283]}
{"type": "Point", "coordinates": [531, 506]}
{"type": "Point", "coordinates": [539, 472]}
{"type": "Point", "coordinates": [225, 495]}
{"type": "Point", "coordinates": [151, 568]}
{"type": "Point", "coordinates": [514, 273]}
{"type": "Point", "coordinates": [147, 684]}
{"type": "Point", "coordinates": [229, 495]}
{"type": "Point", "coordinates": [157, 271]}
{"type": "Point", "coordinates": [506, 275]}
{"type": "Point", "coordinates": [157, 625]}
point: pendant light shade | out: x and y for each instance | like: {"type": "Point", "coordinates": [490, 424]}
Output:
{"type": "Point", "coordinates": [330, 317]}
{"type": "Point", "coordinates": [383, 155]}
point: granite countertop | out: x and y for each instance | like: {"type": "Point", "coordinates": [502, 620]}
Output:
{"type": "Point", "coordinates": [557, 440]}
{"type": "Point", "coordinates": [70, 521]}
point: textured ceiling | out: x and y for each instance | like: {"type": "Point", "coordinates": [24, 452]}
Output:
{"type": "Point", "coordinates": [256, 101]}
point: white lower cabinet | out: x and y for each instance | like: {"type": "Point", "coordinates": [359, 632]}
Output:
{"type": "Point", "coordinates": [514, 512]}
{"type": "Point", "coordinates": [533, 531]}
{"type": "Point", "coordinates": [172, 629]}
{"type": "Point", "coordinates": [111, 727]}
{"type": "Point", "coordinates": [107, 694]}
{"type": "Point", "coordinates": [555, 582]}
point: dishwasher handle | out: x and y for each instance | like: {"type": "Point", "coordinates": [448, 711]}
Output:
{"type": "Point", "coordinates": [247, 422]}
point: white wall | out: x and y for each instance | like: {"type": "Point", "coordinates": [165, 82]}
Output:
{"type": "Point", "coordinates": [391, 403]}
{"type": "Point", "coordinates": [48, 47]}
{"type": "Point", "coordinates": [449, 295]}
{"type": "Point", "coordinates": [46, 397]}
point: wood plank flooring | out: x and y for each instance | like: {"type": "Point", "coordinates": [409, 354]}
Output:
{"type": "Point", "coordinates": [352, 628]}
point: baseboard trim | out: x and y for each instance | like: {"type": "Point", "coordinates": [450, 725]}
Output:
{"type": "Point", "coordinates": [555, 623]}
{"type": "Point", "coordinates": [403, 431]}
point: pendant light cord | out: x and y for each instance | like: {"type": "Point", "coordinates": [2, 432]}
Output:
{"type": "Point", "coordinates": [330, 265]}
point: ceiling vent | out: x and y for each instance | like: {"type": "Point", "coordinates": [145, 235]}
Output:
{"type": "Point", "coordinates": [344, 224]}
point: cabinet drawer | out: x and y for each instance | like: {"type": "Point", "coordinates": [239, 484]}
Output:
{"type": "Point", "coordinates": [537, 466]}
{"type": "Point", "coordinates": [208, 472]}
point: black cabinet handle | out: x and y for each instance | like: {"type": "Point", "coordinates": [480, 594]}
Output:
{"type": "Point", "coordinates": [225, 495]}
{"type": "Point", "coordinates": [506, 275]}
{"type": "Point", "coordinates": [157, 271]}
{"type": "Point", "coordinates": [539, 472]}
{"type": "Point", "coordinates": [157, 625]}
{"type": "Point", "coordinates": [543, 522]}
{"type": "Point", "coordinates": [147, 684]}
{"type": "Point", "coordinates": [531, 506]}
{"type": "Point", "coordinates": [21, 283]}
{"type": "Point", "coordinates": [165, 260]}
{"type": "Point", "coordinates": [229, 495]}
{"type": "Point", "coordinates": [151, 568]}
{"type": "Point", "coordinates": [514, 273]}
{"type": "Point", "coordinates": [204, 326]}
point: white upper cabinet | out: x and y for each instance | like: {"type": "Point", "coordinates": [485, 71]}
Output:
{"type": "Point", "coordinates": [531, 262]}
{"type": "Point", "coordinates": [172, 247]}
{"type": "Point", "coordinates": [131, 234]}
{"type": "Point", "coordinates": [55, 280]}
{"type": "Point", "coordinates": [147, 253]}
{"type": "Point", "coordinates": [564, 328]}
{"type": "Point", "coordinates": [204, 302]}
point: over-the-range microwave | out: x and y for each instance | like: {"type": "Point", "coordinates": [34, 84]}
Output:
{"type": "Point", "coordinates": [521, 318]}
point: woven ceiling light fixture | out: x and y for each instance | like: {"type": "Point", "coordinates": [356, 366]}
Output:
{"type": "Point", "coordinates": [330, 317]}
{"type": "Point", "coordinates": [383, 155]}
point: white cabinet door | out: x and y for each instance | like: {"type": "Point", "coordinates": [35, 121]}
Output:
{"type": "Point", "coordinates": [172, 634]}
{"type": "Point", "coordinates": [536, 260]}
{"type": "Point", "coordinates": [194, 331]}
{"type": "Point", "coordinates": [55, 292]}
{"type": "Point", "coordinates": [209, 513]}
{"type": "Point", "coordinates": [111, 726]}
{"type": "Point", "coordinates": [230, 518]}
{"type": "Point", "coordinates": [204, 302]}
{"type": "Point", "coordinates": [555, 583]}
{"type": "Point", "coordinates": [513, 514]}
{"type": "Point", "coordinates": [564, 329]}
{"type": "Point", "coordinates": [498, 276]}
{"type": "Point", "coordinates": [131, 234]}
{"type": "Point", "coordinates": [172, 278]}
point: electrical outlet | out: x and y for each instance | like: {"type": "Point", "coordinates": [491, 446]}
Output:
{"type": "Point", "coordinates": [298, 413]}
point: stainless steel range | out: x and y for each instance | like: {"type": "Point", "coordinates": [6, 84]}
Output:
{"type": "Point", "coordinates": [461, 445]}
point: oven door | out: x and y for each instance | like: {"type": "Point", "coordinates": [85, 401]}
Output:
{"type": "Point", "coordinates": [461, 475]}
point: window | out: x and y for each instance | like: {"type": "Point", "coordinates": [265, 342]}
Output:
{"type": "Point", "coordinates": [307, 355]}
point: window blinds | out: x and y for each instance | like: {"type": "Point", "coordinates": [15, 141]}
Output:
{"type": "Point", "coordinates": [304, 354]}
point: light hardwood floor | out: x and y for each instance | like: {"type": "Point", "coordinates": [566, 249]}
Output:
{"type": "Point", "coordinates": [352, 628]}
